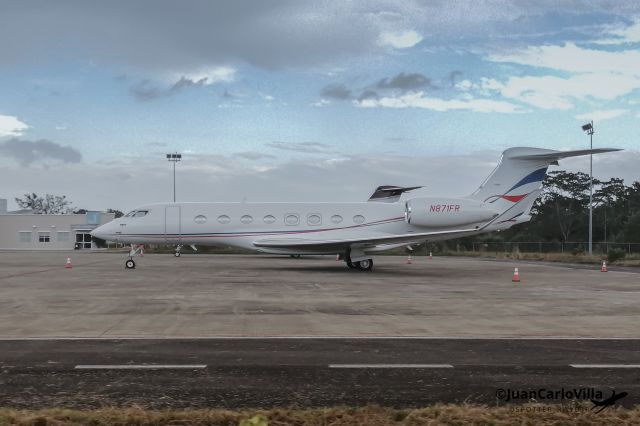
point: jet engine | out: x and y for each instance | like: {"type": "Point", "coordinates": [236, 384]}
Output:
{"type": "Point", "coordinates": [446, 212]}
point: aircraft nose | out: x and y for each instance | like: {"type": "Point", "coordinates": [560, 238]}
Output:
{"type": "Point", "coordinates": [100, 232]}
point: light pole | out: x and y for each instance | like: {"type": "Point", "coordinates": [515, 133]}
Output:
{"type": "Point", "coordinates": [174, 158]}
{"type": "Point", "coordinates": [589, 129]}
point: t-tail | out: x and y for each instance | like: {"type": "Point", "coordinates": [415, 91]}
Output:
{"type": "Point", "coordinates": [515, 184]}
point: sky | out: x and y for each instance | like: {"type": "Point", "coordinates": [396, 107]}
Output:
{"type": "Point", "coordinates": [305, 100]}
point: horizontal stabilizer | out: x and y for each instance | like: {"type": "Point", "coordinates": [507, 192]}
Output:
{"type": "Point", "coordinates": [389, 193]}
{"type": "Point", "coordinates": [551, 155]}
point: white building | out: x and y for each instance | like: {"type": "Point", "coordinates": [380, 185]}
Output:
{"type": "Point", "coordinates": [28, 231]}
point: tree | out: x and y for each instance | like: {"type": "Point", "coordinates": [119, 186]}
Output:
{"type": "Point", "coordinates": [566, 198]}
{"type": "Point", "coordinates": [118, 213]}
{"type": "Point", "coordinates": [49, 204]}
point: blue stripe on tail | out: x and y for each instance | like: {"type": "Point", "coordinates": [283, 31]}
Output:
{"type": "Point", "coordinates": [536, 176]}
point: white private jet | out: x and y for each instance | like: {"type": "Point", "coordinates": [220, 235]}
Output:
{"type": "Point", "coordinates": [354, 230]}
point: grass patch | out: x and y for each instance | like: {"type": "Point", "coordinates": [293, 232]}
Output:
{"type": "Point", "coordinates": [439, 414]}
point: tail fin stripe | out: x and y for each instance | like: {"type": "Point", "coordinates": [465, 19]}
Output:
{"type": "Point", "coordinates": [536, 176]}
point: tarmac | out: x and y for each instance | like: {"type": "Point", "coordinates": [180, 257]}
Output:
{"type": "Point", "coordinates": [244, 296]}
{"type": "Point", "coordinates": [230, 331]}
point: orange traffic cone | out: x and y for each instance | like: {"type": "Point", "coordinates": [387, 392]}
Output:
{"type": "Point", "coordinates": [430, 256]}
{"type": "Point", "coordinates": [68, 264]}
{"type": "Point", "coordinates": [603, 268]}
{"type": "Point", "coordinates": [408, 260]}
{"type": "Point", "coordinates": [516, 276]}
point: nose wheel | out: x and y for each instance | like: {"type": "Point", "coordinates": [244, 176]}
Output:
{"type": "Point", "coordinates": [130, 264]}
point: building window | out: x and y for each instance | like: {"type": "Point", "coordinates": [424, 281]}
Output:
{"type": "Point", "coordinates": [63, 236]}
{"type": "Point", "coordinates": [269, 219]}
{"type": "Point", "coordinates": [44, 237]}
{"type": "Point", "coordinates": [358, 219]}
{"type": "Point", "coordinates": [314, 219]}
{"type": "Point", "coordinates": [93, 218]}
{"type": "Point", "coordinates": [336, 218]}
{"type": "Point", "coordinates": [25, 236]}
{"type": "Point", "coordinates": [224, 219]}
{"type": "Point", "coordinates": [200, 219]}
{"type": "Point", "coordinates": [291, 219]}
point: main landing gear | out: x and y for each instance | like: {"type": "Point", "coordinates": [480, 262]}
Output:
{"type": "Point", "coordinates": [177, 253]}
{"type": "Point", "coordinates": [363, 265]}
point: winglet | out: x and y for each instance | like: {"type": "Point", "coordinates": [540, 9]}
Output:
{"type": "Point", "coordinates": [389, 193]}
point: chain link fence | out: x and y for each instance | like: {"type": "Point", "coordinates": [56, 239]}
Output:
{"type": "Point", "coordinates": [547, 247]}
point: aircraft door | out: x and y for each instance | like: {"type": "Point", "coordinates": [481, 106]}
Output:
{"type": "Point", "coordinates": [172, 229]}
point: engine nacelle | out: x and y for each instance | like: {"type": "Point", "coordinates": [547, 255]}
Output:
{"type": "Point", "coordinates": [441, 212]}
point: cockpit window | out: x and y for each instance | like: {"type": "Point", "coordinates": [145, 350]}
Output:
{"type": "Point", "coordinates": [137, 213]}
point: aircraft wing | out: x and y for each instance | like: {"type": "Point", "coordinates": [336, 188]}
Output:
{"type": "Point", "coordinates": [368, 240]}
{"type": "Point", "coordinates": [363, 241]}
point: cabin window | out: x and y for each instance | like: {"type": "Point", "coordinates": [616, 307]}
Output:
{"type": "Point", "coordinates": [246, 219]}
{"type": "Point", "coordinates": [269, 219]}
{"type": "Point", "coordinates": [336, 218]}
{"type": "Point", "coordinates": [314, 219]}
{"type": "Point", "coordinates": [200, 219]}
{"type": "Point", "coordinates": [291, 219]}
{"type": "Point", "coordinates": [223, 218]}
{"type": "Point", "coordinates": [130, 214]}
{"type": "Point", "coordinates": [141, 213]}
{"type": "Point", "coordinates": [358, 219]}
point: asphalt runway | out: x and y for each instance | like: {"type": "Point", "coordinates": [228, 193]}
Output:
{"type": "Point", "coordinates": [234, 373]}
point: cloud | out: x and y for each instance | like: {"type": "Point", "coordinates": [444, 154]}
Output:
{"type": "Point", "coordinates": [592, 74]}
{"type": "Point", "coordinates": [164, 36]}
{"type": "Point", "coordinates": [453, 77]}
{"type": "Point", "coordinates": [253, 155]}
{"type": "Point", "coordinates": [552, 92]}
{"type": "Point", "coordinates": [419, 100]}
{"type": "Point", "coordinates": [304, 147]}
{"type": "Point", "coordinates": [11, 126]}
{"type": "Point", "coordinates": [28, 152]}
{"type": "Point", "coordinates": [622, 34]}
{"type": "Point", "coordinates": [405, 82]}
{"type": "Point", "coordinates": [145, 90]}
{"type": "Point", "coordinates": [336, 91]}
{"type": "Point", "coordinates": [601, 115]}
{"type": "Point", "coordinates": [400, 39]}
{"type": "Point", "coordinates": [574, 59]}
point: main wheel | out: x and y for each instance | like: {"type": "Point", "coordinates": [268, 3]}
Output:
{"type": "Point", "coordinates": [365, 265]}
{"type": "Point", "coordinates": [177, 254]}
{"type": "Point", "coordinates": [130, 264]}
